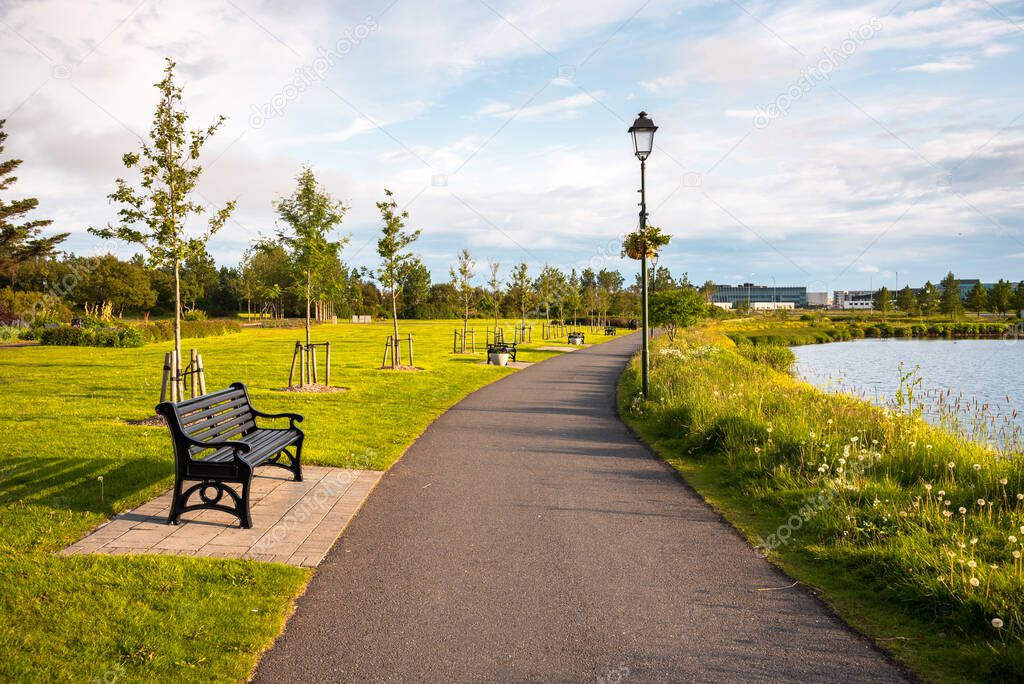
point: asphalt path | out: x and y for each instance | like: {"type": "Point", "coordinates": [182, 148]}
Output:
{"type": "Point", "coordinates": [528, 535]}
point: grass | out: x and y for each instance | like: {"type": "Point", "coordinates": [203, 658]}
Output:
{"type": "Point", "coordinates": [908, 531]}
{"type": "Point", "coordinates": [784, 328]}
{"type": "Point", "coordinates": [138, 618]}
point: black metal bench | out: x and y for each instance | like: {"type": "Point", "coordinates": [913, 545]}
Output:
{"type": "Point", "coordinates": [609, 330]}
{"type": "Point", "coordinates": [216, 442]}
{"type": "Point", "coordinates": [503, 348]}
{"type": "Point", "coordinates": [575, 336]}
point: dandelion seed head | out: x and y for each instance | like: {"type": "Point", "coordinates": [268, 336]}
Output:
{"type": "Point", "coordinates": [1003, 481]}
{"type": "Point", "coordinates": [997, 623]}
{"type": "Point", "coordinates": [963, 511]}
{"type": "Point", "coordinates": [975, 582]}
{"type": "Point", "coordinates": [1013, 539]}
{"type": "Point", "coordinates": [977, 467]}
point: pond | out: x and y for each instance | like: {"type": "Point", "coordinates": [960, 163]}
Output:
{"type": "Point", "coordinates": [970, 380]}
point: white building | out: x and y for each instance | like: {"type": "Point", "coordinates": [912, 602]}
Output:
{"type": "Point", "coordinates": [772, 306]}
{"type": "Point", "coordinates": [854, 299]}
{"type": "Point", "coordinates": [817, 299]}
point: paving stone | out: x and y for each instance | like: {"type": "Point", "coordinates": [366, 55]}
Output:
{"type": "Point", "coordinates": [293, 522]}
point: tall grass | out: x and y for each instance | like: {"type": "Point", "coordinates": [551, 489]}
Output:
{"type": "Point", "coordinates": [930, 524]}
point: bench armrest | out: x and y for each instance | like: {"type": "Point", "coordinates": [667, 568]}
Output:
{"type": "Point", "coordinates": [292, 417]}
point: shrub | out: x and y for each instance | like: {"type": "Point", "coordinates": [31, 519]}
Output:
{"type": "Point", "coordinates": [67, 336]}
{"type": "Point", "coordinates": [162, 331]}
{"type": "Point", "coordinates": [194, 315]}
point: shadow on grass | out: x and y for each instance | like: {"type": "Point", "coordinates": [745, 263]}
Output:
{"type": "Point", "coordinates": [68, 483]}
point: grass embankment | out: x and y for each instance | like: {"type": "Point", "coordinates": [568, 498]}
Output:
{"type": "Point", "coordinates": [817, 328]}
{"type": "Point", "coordinates": [138, 618]}
{"type": "Point", "coordinates": [913, 535]}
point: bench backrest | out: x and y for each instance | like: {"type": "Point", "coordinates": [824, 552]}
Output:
{"type": "Point", "coordinates": [212, 417]}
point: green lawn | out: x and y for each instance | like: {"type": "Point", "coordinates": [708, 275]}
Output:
{"type": "Point", "coordinates": [913, 535]}
{"type": "Point", "coordinates": [137, 618]}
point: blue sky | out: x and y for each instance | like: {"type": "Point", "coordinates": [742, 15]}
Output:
{"type": "Point", "coordinates": [829, 144]}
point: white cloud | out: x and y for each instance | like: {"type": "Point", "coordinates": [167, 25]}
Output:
{"type": "Point", "coordinates": [565, 107]}
{"type": "Point", "coordinates": [941, 66]}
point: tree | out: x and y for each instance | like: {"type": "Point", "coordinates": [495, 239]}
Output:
{"type": "Point", "coordinates": [549, 286]}
{"type": "Point", "coordinates": [977, 299]}
{"type": "Point", "coordinates": [20, 242]}
{"type": "Point", "coordinates": [676, 308]}
{"type": "Point", "coordinates": [950, 302]}
{"type": "Point", "coordinates": [462, 283]}
{"type": "Point", "coordinates": [156, 214]}
{"type": "Point", "coordinates": [121, 284]}
{"type": "Point", "coordinates": [1018, 297]}
{"type": "Point", "coordinates": [906, 301]}
{"type": "Point", "coordinates": [662, 280]}
{"type": "Point", "coordinates": [1001, 297]}
{"type": "Point", "coordinates": [707, 291]}
{"type": "Point", "coordinates": [882, 301]}
{"type": "Point", "coordinates": [520, 290]}
{"type": "Point", "coordinates": [415, 288]}
{"type": "Point", "coordinates": [198, 274]}
{"type": "Point", "coordinates": [609, 285]}
{"type": "Point", "coordinates": [572, 298]}
{"type": "Point", "coordinates": [310, 215]}
{"type": "Point", "coordinates": [395, 258]}
{"type": "Point", "coordinates": [928, 299]}
{"type": "Point", "coordinates": [495, 299]}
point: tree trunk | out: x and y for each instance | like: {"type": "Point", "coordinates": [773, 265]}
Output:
{"type": "Point", "coordinates": [396, 354]}
{"type": "Point", "coordinates": [177, 307]}
{"type": "Point", "coordinates": [309, 278]}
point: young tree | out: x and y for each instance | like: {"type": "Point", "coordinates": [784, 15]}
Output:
{"type": "Point", "coordinates": [495, 283]}
{"type": "Point", "coordinates": [677, 308]}
{"type": "Point", "coordinates": [928, 299]}
{"type": "Point", "coordinates": [977, 299]}
{"type": "Point", "coordinates": [394, 258]}
{"type": "Point", "coordinates": [883, 301]}
{"type": "Point", "coordinates": [906, 301]}
{"type": "Point", "coordinates": [198, 275]}
{"type": "Point", "coordinates": [310, 215]}
{"type": "Point", "coordinates": [520, 290]}
{"type": "Point", "coordinates": [1001, 297]}
{"type": "Point", "coordinates": [950, 302]}
{"type": "Point", "coordinates": [415, 287]}
{"type": "Point", "coordinates": [572, 297]}
{"type": "Point", "coordinates": [462, 283]}
{"type": "Point", "coordinates": [548, 286]}
{"type": "Point", "coordinates": [20, 242]}
{"type": "Point", "coordinates": [609, 284]}
{"type": "Point", "coordinates": [155, 215]}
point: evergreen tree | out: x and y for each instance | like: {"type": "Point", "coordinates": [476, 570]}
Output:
{"type": "Point", "coordinates": [977, 299]}
{"type": "Point", "coordinates": [906, 301]}
{"type": "Point", "coordinates": [950, 302]}
{"type": "Point", "coordinates": [20, 242]}
{"type": "Point", "coordinates": [883, 301]}
{"type": "Point", "coordinates": [928, 298]}
{"type": "Point", "coordinates": [1001, 297]}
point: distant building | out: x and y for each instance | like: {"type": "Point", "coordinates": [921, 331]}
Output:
{"type": "Point", "coordinates": [853, 299]}
{"type": "Point", "coordinates": [760, 294]}
{"type": "Point", "coordinates": [723, 305]}
{"type": "Point", "coordinates": [772, 306]}
{"type": "Point", "coordinates": [817, 299]}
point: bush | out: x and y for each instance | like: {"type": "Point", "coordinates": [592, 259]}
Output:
{"type": "Point", "coordinates": [162, 331]}
{"type": "Point", "coordinates": [194, 315]}
{"type": "Point", "coordinates": [67, 336]}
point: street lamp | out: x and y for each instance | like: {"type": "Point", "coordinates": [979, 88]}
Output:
{"type": "Point", "coordinates": [642, 131]}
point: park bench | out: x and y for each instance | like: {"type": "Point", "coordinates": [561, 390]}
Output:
{"type": "Point", "coordinates": [217, 442]}
{"type": "Point", "coordinates": [575, 338]}
{"type": "Point", "coordinates": [502, 348]}
{"type": "Point", "coordinates": [609, 330]}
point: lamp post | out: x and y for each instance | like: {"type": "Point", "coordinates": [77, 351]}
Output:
{"type": "Point", "coordinates": [642, 131]}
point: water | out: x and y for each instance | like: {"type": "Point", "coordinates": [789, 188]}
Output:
{"type": "Point", "coordinates": [966, 378]}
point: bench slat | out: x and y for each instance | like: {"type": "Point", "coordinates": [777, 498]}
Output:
{"type": "Point", "coordinates": [188, 417]}
{"type": "Point", "coordinates": [213, 420]}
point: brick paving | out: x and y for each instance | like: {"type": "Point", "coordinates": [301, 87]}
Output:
{"type": "Point", "coordinates": [292, 522]}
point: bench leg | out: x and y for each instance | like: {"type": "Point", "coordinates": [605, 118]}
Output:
{"type": "Point", "coordinates": [177, 503]}
{"type": "Point", "coordinates": [297, 460]}
{"type": "Point", "coordinates": [242, 507]}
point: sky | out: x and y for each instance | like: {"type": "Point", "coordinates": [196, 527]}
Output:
{"type": "Point", "coordinates": [836, 145]}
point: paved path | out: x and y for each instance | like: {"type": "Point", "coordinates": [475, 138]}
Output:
{"type": "Point", "coordinates": [528, 536]}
